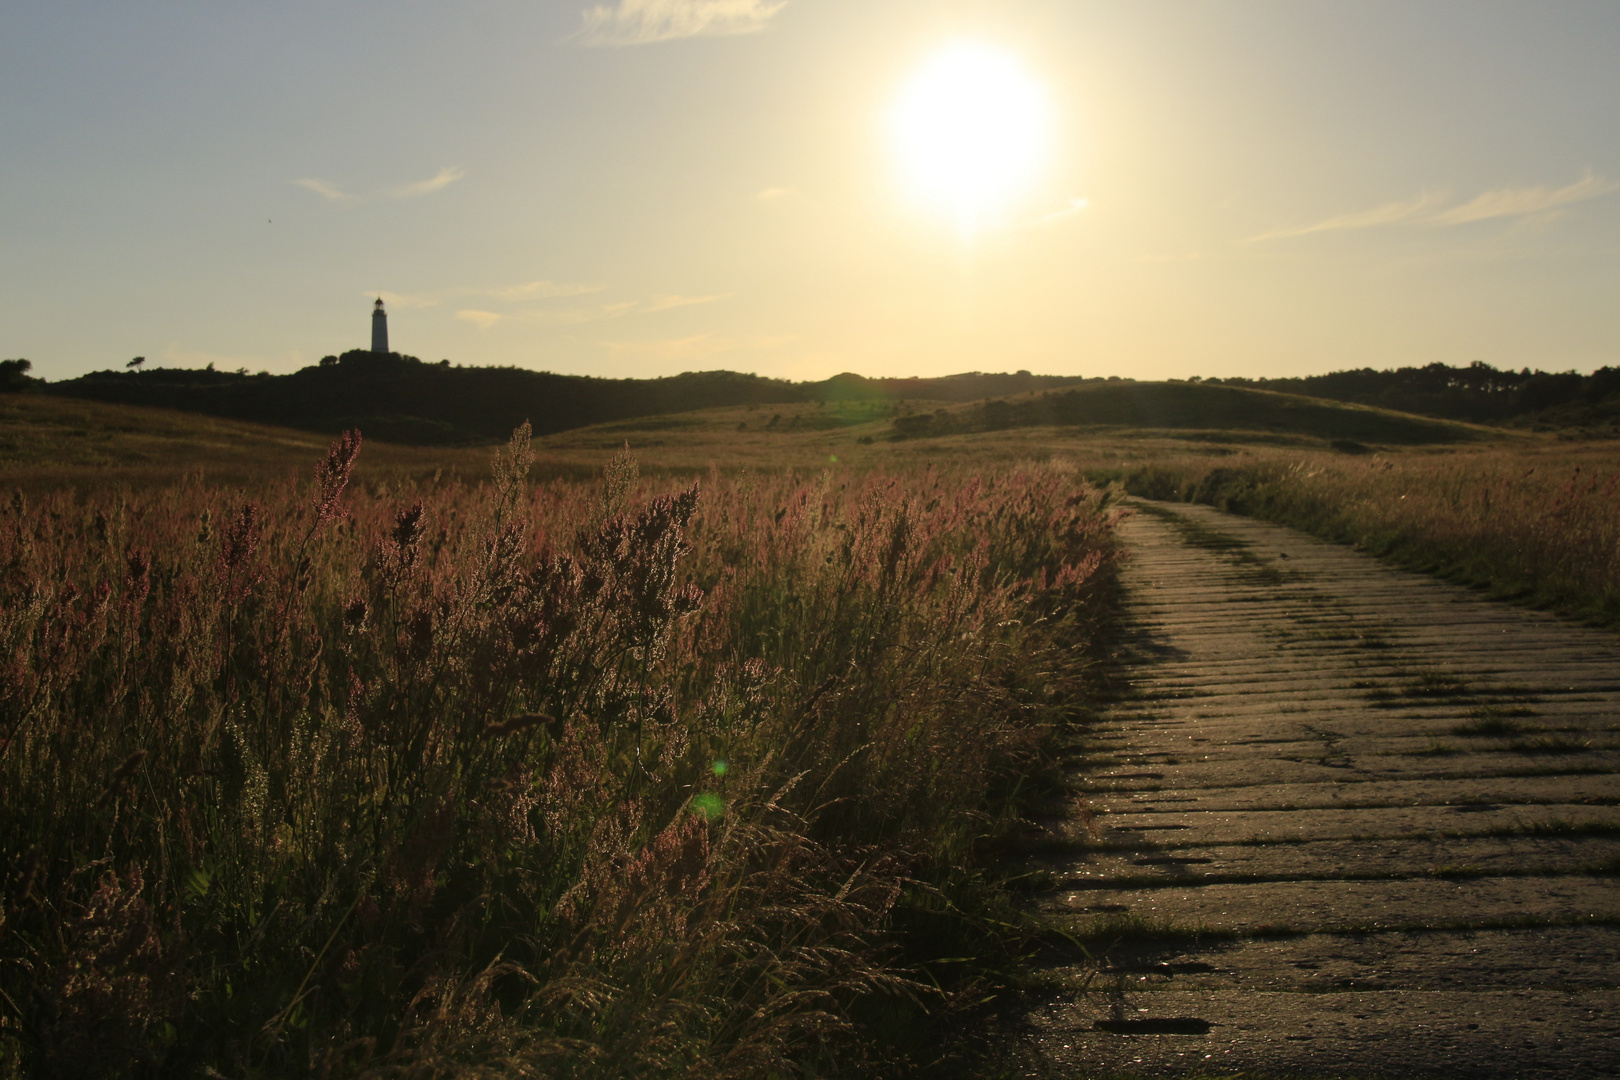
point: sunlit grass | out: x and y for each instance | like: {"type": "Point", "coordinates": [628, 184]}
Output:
{"type": "Point", "coordinates": [606, 778]}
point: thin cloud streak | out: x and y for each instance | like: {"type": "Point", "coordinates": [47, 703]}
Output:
{"type": "Point", "coordinates": [541, 290]}
{"type": "Point", "coordinates": [447, 176]}
{"type": "Point", "coordinates": [481, 319]}
{"type": "Point", "coordinates": [538, 290]}
{"type": "Point", "coordinates": [332, 193]}
{"type": "Point", "coordinates": [329, 192]}
{"type": "Point", "coordinates": [402, 300]}
{"type": "Point", "coordinates": [646, 22]}
{"type": "Point", "coordinates": [1487, 206]}
{"type": "Point", "coordinates": [1388, 214]}
{"type": "Point", "coordinates": [1522, 202]}
{"type": "Point", "coordinates": [529, 290]}
{"type": "Point", "coordinates": [576, 316]}
{"type": "Point", "coordinates": [669, 303]}
{"type": "Point", "coordinates": [1075, 206]}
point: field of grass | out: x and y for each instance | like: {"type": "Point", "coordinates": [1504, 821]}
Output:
{"type": "Point", "coordinates": [432, 777]}
{"type": "Point", "coordinates": [581, 773]}
{"type": "Point", "coordinates": [52, 443]}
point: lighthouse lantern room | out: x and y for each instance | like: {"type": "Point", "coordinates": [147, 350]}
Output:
{"type": "Point", "coordinates": [379, 328]}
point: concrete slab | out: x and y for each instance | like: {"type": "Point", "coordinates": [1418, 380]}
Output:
{"type": "Point", "coordinates": [1292, 768]}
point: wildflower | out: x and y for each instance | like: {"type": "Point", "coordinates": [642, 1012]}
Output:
{"type": "Point", "coordinates": [137, 576]}
{"type": "Point", "coordinates": [332, 475]}
{"type": "Point", "coordinates": [408, 526]}
{"type": "Point", "coordinates": [241, 538]}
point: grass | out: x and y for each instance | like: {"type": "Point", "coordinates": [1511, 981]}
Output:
{"type": "Point", "coordinates": [495, 860]}
{"type": "Point", "coordinates": [1536, 521]}
{"type": "Point", "coordinates": [50, 444]}
{"type": "Point", "coordinates": [404, 775]}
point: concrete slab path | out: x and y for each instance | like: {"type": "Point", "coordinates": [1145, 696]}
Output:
{"type": "Point", "coordinates": [1346, 821]}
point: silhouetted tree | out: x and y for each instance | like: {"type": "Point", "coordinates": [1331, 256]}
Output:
{"type": "Point", "coordinates": [14, 377]}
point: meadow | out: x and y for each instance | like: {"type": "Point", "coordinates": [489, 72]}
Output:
{"type": "Point", "coordinates": [415, 776]}
{"type": "Point", "coordinates": [711, 757]}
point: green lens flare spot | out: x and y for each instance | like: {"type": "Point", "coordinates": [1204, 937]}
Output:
{"type": "Point", "coordinates": [719, 767]}
{"type": "Point", "coordinates": [709, 805]}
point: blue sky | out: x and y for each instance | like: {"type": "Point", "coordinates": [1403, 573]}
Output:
{"type": "Point", "coordinates": [652, 186]}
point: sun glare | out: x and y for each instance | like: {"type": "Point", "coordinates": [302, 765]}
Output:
{"type": "Point", "coordinates": [970, 130]}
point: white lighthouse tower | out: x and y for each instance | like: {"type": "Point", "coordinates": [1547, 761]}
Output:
{"type": "Point", "coordinates": [379, 328]}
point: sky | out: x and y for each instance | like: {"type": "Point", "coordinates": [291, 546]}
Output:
{"type": "Point", "coordinates": [644, 187]}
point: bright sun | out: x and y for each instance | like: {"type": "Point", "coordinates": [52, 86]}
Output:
{"type": "Point", "coordinates": [971, 130]}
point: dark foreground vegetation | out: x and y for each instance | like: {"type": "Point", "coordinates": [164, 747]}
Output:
{"type": "Point", "coordinates": [506, 779]}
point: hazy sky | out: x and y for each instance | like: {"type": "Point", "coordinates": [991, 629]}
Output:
{"type": "Point", "coordinates": [643, 187]}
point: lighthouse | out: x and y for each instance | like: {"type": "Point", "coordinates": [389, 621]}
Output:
{"type": "Point", "coordinates": [379, 328]}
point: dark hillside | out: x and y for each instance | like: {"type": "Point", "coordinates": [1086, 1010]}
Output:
{"type": "Point", "coordinates": [970, 386]}
{"type": "Point", "coordinates": [1478, 393]}
{"type": "Point", "coordinates": [400, 399]}
{"type": "Point", "coordinates": [1187, 406]}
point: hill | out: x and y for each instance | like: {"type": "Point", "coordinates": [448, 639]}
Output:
{"type": "Point", "coordinates": [1189, 407]}
{"type": "Point", "coordinates": [1478, 393]}
{"type": "Point", "coordinates": [401, 399]}
{"type": "Point", "coordinates": [49, 442]}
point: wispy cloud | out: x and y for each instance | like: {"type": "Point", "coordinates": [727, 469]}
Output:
{"type": "Point", "coordinates": [327, 191]}
{"type": "Point", "coordinates": [1173, 257]}
{"type": "Point", "coordinates": [1522, 202]}
{"type": "Point", "coordinates": [689, 348]}
{"type": "Point", "coordinates": [539, 290]}
{"type": "Point", "coordinates": [1076, 205]}
{"type": "Point", "coordinates": [402, 300]}
{"type": "Point", "coordinates": [529, 290]}
{"type": "Point", "coordinates": [1428, 210]}
{"type": "Point", "coordinates": [644, 22]}
{"type": "Point", "coordinates": [576, 316]}
{"type": "Point", "coordinates": [669, 303]}
{"type": "Point", "coordinates": [481, 319]}
{"type": "Point", "coordinates": [772, 194]}
{"type": "Point", "coordinates": [1389, 213]}
{"type": "Point", "coordinates": [447, 176]}
{"type": "Point", "coordinates": [332, 193]}
{"type": "Point", "coordinates": [617, 310]}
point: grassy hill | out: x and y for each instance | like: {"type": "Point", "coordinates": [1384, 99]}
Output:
{"type": "Point", "coordinates": [48, 442]}
{"type": "Point", "coordinates": [47, 439]}
{"type": "Point", "coordinates": [1190, 407]}
{"type": "Point", "coordinates": [1478, 393]}
{"type": "Point", "coordinates": [401, 399]}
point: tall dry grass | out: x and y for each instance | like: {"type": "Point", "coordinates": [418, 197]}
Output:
{"type": "Point", "coordinates": [521, 780]}
{"type": "Point", "coordinates": [1540, 524]}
